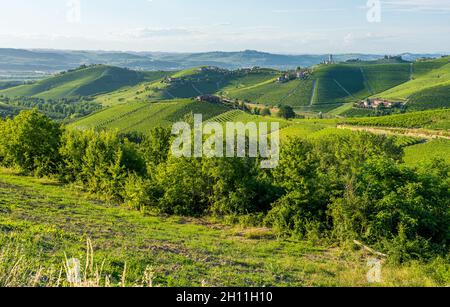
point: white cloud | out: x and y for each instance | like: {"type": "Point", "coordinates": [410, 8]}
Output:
{"type": "Point", "coordinates": [442, 6]}
{"type": "Point", "coordinates": [145, 33]}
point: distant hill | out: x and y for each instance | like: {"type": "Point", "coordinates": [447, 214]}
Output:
{"type": "Point", "coordinates": [55, 60]}
{"type": "Point", "coordinates": [87, 81]}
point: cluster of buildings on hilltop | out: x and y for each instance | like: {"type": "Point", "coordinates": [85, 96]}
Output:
{"type": "Point", "coordinates": [329, 61]}
{"type": "Point", "coordinates": [299, 74]}
{"type": "Point", "coordinates": [377, 103]}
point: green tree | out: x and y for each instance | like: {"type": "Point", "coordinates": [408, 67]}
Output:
{"type": "Point", "coordinates": [266, 112]}
{"type": "Point", "coordinates": [31, 141]}
{"type": "Point", "coordinates": [286, 112]}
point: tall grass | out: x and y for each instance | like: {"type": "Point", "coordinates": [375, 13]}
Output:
{"type": "Point", "coordinates": [19, 270]}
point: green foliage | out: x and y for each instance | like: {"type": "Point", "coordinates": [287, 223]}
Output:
{"type": "Point", "coordinates": [404, 212]}
{"type": "Point", "coordinates": [286, 112]}
{"type": "Point", "coordinates": [30, 142]}
{"type": "Point", "coordinates": [99, 161]}
{"type": "Point", "coordinates": [335, 183]}
{"type": "Point", "coordinates": [313, 173]}
{"type": "Point", "coordinates": [266, 112]}
{"type": "Point", "coordinates": [59, 109]}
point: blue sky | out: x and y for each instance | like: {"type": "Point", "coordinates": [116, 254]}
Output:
{"type": "Point", "coordinates": [283, 26]}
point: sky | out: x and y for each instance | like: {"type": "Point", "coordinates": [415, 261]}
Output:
{"type": "Point", "coordinates": [279, 26]}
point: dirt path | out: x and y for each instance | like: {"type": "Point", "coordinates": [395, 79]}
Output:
{"type": "Point", "coordinates": [418, 133]}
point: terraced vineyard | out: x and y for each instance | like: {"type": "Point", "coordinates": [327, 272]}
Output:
{"type": "Point", "coordinates": [143, 116]}
{"type": "Point", "coordinates": [330, 87]}
{"type": "Point", "coordinates": [243, 117]}
{"type": "Point", "coordinates": [439, 119]}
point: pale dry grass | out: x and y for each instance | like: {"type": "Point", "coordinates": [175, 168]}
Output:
{"type": "Point", "coordinates": [17, 270]}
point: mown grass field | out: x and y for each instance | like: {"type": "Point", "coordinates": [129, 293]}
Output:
{"type": "Point", "coordinates": [42, 224]}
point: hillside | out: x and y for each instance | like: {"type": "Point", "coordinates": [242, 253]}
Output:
{"type": "Point", "coordinates": [144, 116]}
{"type": "Point", "coordinates": [88, 81]}
{"type": "Point", "coordinates": [328, 88]}
{"type": "Point", "coordinates": [428, 88]}
{"type": "Point", "coordinates": [189, 83]}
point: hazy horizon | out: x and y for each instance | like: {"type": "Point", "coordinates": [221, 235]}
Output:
{"type": "Point", "coordinates": [213, 51]}
{"type": "Point", "coordinates": [191, 26]}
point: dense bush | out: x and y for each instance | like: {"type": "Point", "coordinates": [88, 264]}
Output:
{"type": "Point", "coordinates": [30, 142]}
{"type": "Point", "coordinates": [351, 186]}
{"type": "Point", "coordinates": [392, 206]}
{"type": "Point", "coordinates": [100, 161]}
{"type": "Point", "coordinates": [313, 173]}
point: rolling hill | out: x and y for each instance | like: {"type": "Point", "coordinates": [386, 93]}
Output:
{"type": "Point", "coordinates": [144, 116]}
{"type": "Point", "coordinates": [428, 88]}
{"type": "Point", "coordinates": [328, 88]}
{"type": "Point", "coordinates": [189, 83]}
{"type": "Point", "coordinates": [86, 81]}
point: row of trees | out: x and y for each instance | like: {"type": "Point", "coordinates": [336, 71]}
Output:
{"type": "Point", "coordinates": [338, 187]}
{"type": "Point", "coordinates": [57, 109]}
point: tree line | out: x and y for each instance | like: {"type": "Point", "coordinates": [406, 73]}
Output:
{"type": "Point", "coordinates": [338, 187]}
{"type": "Point", "coordinates": [57, 109]}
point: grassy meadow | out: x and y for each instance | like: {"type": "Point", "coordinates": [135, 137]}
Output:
{"type": "Point", "coordinates": [43, 224]}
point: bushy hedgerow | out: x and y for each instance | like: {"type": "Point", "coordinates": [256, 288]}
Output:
{"type": "Point", "coordinates": [340, 187]}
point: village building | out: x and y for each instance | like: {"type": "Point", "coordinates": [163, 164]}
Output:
{"type": "Point", "coordinates": [330, 60]}
{"type": "Point", "coordinates": [377, 103]}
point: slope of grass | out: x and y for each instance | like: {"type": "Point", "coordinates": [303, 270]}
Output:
{"type": "Point", "coordinates": [42, 224]}
{"type": "Point", "coordinates": [382, 77]}
{"type": "Point", "coordinates": [330, 87]}
{"type": "Point", "coordinates": [431, 98]}
{"type": "Point", "coordinates": [424, 153]}
{"type": "Point", "coordinates": [293, 93]}
{"type": "Point", "coordinates": [238, 116]}
{"type": "Point", "coordinates": [89, 81]}
{"type": "Point", "coordinates": [422, 68]}
{"type": "Point", "coordinates": [190, 83]}
{"type": "Point", "coordinates": [429, 89]}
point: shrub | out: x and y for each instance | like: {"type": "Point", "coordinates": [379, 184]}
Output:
{"type": "Point", "coordinates": [31, 141]}
{"type": "Point", "coordinates": [286, 112]}
{"type": "Point", "coordinates": [401, 210]}
{"type": "Point", "coordinates": [99, 161]}
{"type": "Point", "coordinates": [183, 187]}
